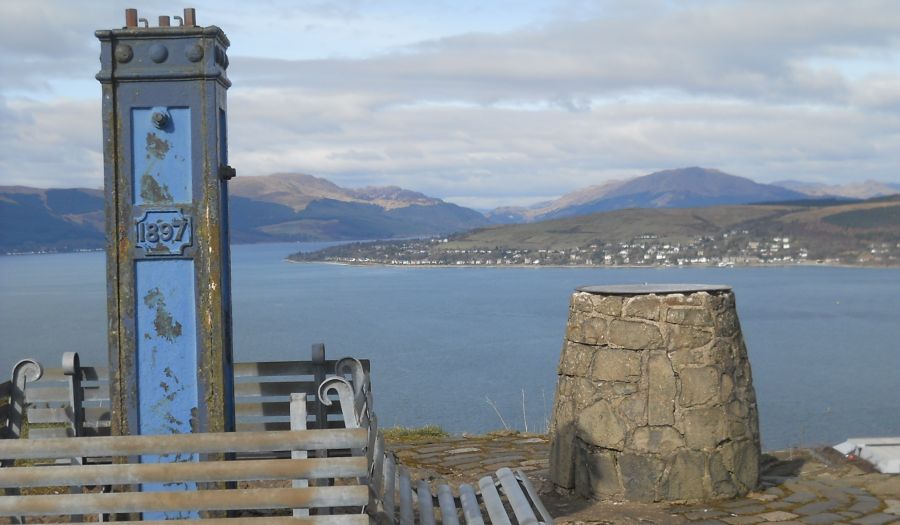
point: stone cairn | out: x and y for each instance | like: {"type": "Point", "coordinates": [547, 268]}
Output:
{"type": "Point", "coordinates": [654, 399]}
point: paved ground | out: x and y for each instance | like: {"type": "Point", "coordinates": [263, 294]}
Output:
{"type": "Point", "coordinates": [798, 487]}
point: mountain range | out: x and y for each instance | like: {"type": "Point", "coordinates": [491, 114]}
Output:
{"type": "Point", "coordinates": [817, 223]}
{"type": "Point", "coordinates": [281, 207]}
{"type": "Point", "coordinates": [681, 188]}
{"type": "Point", "coordinates": [299, 207]}
{"type": "Point", "coordinates": [859, 190]}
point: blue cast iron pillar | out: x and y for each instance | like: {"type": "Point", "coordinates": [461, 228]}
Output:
{"type": "Point", "coordinates": [168, 270]}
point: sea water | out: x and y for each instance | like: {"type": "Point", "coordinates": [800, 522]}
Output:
{"type": "Point", "coordinates": [476, 348]}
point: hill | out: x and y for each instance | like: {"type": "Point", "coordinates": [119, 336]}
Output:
{"type": "Point", "coordinates": [872, 218]}
{"type": "Point", "coordinates": [676, 188]}
{"type": "Point", "coordinates": [298, 207]}
{"type": "Point", "coordinates": [865, 232]}
{"type": "Point", "coordinates": [297, 191]}
{"type": "Point", "coordinates": [516, 214]}
{"type": "Point", "coordinates": [50, 220]}
{"type": "Point", "coordinates": [860, 190]}
{"type": "Point", "coordinates": [283, 207]}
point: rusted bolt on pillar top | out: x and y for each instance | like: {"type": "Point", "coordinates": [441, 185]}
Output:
{"type": "Point", "coordinates": [189, 19]}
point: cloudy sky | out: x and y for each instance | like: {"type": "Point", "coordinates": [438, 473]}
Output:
{"type": "Point", "coordinates": [489, 103]}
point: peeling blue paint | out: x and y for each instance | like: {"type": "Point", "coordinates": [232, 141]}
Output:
{"type": "Point", "coordinates": [162, 167]}
{"type": "Point", "coordinates": [166, 357]}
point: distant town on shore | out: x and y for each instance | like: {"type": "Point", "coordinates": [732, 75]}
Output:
{"type": "Point", "coordinates": [858, 234]}
{"type": "Point", "coordinates": [731, 249]}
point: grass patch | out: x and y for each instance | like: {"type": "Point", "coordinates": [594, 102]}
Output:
{"type": "Point", "coordinates": [401, 434]}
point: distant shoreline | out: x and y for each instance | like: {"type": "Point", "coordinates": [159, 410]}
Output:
{"type": "Point", "coordinates": [599, 266]}
{"type": "Point", "coordinates": [532, 266]}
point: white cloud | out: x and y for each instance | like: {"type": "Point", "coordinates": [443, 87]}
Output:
{"type": "Point", "coordinates": [572, 96]}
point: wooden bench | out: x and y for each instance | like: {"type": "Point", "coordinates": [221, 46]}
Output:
{"type": "Point", "coordinates": [240, 487]}
{"type": "Point", "coordinates": [392, 492]}
{"type": "Point", "coordinates": [343, 400]}
{"type": "Point", "coordinates": [73, 401]}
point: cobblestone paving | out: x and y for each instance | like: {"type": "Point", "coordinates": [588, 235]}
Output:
{"type": "Point", "coordinates": [798, 487]}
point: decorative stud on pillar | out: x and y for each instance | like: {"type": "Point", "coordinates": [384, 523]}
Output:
{"type": "Point", "coordinates": [168, 271]}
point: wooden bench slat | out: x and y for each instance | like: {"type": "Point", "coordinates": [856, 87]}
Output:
{"type": "Point", "coordinates": [377, 478]}
{"type": "Point", "coordinates": [183, 443]}
{"type": "Point", "coordinates": [516, 498]}
{"type": "Point", "coordinates": [275, 368]}
{"type": "Point", "coordinates": [340, 519]}
{"type": "Point", "coordinates": [406, 505]}
{"type": "Point", "coordinates": [287, 368]}
{"type": "Point", "coordinates": [448, 505]}
{"type": "Point", "coordinates": [248, 408]}
{"type": "Point", "coordinates": [534, 496]}
{"type": "Point", "coordinates": [469, 502]}
{"type": "Point", "coordinates": [87, 373]}
{"type": "Point", "coordinates": [390, 480]}
{"type": "Point", "coordinates": [61, 394]}
{"type": "Point", "coordinates": [426, 503]}
{"type": "Point", "coordinates": [47, 415]}
{"type": "Point", "coordinates": [281, 388]}
{"type": "Point", "coordinates": [492, 501]}
{"type": "Point", "coordinates": [251, 426]}
{"type": "Point", "coordinates": [47, 433]}
{"type": "Point", "coordinates": [204, 471]}
{"type": "Point", "coordinates": [60, 432]}
{"type": "Point", "coordinates": [237, 499]}
{"type": "Point", "coordinates": [92, 416]}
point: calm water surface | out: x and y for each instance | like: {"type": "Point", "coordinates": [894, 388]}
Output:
{"type": "Point", "coordinates": [824, 342]}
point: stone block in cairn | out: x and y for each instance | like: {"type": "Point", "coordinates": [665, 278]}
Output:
{"type": "Point", "coordinates": [654, 398]}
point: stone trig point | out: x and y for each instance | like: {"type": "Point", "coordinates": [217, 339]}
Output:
{"type": "Point", "coordinates": [655, 400]}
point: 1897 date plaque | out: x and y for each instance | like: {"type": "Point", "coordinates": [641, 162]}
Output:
{"type": "Point", "coordinates": [163, 232]}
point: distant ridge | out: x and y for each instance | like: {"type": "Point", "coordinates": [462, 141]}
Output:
{"type": "Point", "coordinates": [282, 207]}
{"type": "Point", "coordinates": [300, 207]}
{"type": "Point", "coordinates": [859, 190]}
{"type": "Point", "coordinates": [676, 188]}
{"type": "Point", "coordinates": [298, 190]}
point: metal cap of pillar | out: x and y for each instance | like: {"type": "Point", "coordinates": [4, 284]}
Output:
{"type": "Point", "coordinates": [189, 19]}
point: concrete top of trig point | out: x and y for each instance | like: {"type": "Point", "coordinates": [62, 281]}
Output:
{"type": "Point", "coordinates": [646, 289]}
